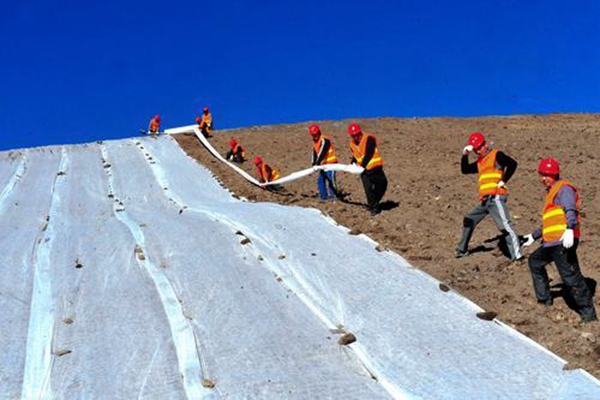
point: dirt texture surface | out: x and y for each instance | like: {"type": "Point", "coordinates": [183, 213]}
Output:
{"type": "Point", "coordinates": [427, 198]}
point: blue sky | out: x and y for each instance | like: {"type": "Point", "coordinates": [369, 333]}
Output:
{"type": "Point", "coordinates": [75, 72]}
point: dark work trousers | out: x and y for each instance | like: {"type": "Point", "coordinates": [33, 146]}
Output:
{"type": "Point", "coordinates": [496, 206]}
{"type": "Point", "coordinates": [570, 273]}
{"type": "Point", "coordinates": [375, 184]}
{"type": "Point", "coordinates": [327, 185]}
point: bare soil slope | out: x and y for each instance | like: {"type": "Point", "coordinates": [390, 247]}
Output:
{"type": "Point", "coordinates": [427, 198]}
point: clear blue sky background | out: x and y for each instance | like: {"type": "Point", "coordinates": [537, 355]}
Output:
{"type": "Point", "coordinates": [74, 72]}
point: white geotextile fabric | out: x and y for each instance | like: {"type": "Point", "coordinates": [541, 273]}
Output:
{"type": "Point", "coordinates": [353, 169]}
{"type": "Point", "coordinates": [155, 277]}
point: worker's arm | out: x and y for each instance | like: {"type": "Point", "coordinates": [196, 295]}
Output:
{"type": "Point", "coordinates": [369, 151]}
{"type": "Point", "coordinates": [466, 167]}
{"type": "Point", "coordinates": [537, 233]}
{"type": "Point", "coordinates": [567, 198]}
{"type": "Point", "coordinates": [324, 149]}
{"type": "Point", "coordinates": [507, 164]}
{"type": "Point", "coordinates": [269, 172]}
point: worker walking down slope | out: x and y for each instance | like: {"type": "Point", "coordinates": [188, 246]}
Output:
{"type": "Point", "coordinates": [236, 152]}
{"type": "Point", "coordinates": [495, 169]}
{"type": "Point", "coordinates": [323, 153]}
{"type": "Point", "coordinates": [365, 154]}
{"type": "Point", "coordinates": [560, 232]}
{"type": "Point", "coordinates": [205, 122]}
{"type": "Point", "coordinates": [267, 174]}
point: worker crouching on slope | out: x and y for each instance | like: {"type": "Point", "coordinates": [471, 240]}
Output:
{"type": "Point", "coordinates": [267, 174]}
{"type": "Point", "coordinates": [365, 154]}
{"type": "Point", "coordinates": [154, 125]}
{"type": "Point", "coordinates": [495, 169]}
{"type": "Point", "coordinates": [236, 152]}
{"type": "Point", "coordinates": [205, 122]}
{"type": "Point", "coordinates": [560, 233]}
{"type": "Point", "coordinates": [323, 153]}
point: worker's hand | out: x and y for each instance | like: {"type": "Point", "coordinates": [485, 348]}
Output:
{"type": "Point", "coordinates": [568, 238]}
{"type": "Point", "coordinates": [528, 240]}
{"type": "Point", "coordinates": [315, 167]}
{"type": "Point", "coordinates": [501, 184]}
{"type": "Point", "coordinates": [355, 169]}
{"type": "Point", "coordinates": [467, 149]}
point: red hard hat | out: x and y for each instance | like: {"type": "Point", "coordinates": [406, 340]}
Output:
{"type": "Point", "coordinates": [157, 117]}
{"type": "Point", "coordinates": [354, 129]}
{"type": "Point", "coordinates": [549, 166]}
{"type": "Point", "coordinates": [314, 130]}
{"type": "Point", "coordinates": [205, 109]}
{"type": "Point", "coordinates": [232, 142]}
{"type": "Point", "coordinates": [257, 160]}
{"type": "Point", "coordinates": [476, 140]}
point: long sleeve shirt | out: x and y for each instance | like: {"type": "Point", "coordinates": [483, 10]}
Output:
{"type": "Point", "coordinates": [507, 164]}
{"type": "Point", "coordinates": [567, 199]}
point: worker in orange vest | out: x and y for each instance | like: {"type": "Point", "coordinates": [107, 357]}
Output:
{"type": "Point", "coordinates": [154, 125]}
{"type": "Point", "coordinates": [560, 232]}
{"type": "Point", "coordinates": [365, 154]}
{"type": "Point", "coordinates": [323, 153]}
{"type": "Point", "coordinates": [495, 169]}
{"type": "Point", "coordinates": [205, 122]}
{"type": "Point", "coordinates": [266, 174]}
{"type": "Point", "coordinates": [236, 153]}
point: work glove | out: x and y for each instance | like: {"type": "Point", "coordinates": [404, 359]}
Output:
{"type": "Point", "coordinates": [355, 169]}
{"type": "Point", "coordinates": [315, 167]}
{"type": "Point", "coordinates": [467, 149]}
{"type": "Point", "coordinates": [501, 184]}
{"type": "Point", "coordinates": [528, 240]}
{"type": "Point", "coordinates": [567, 238]}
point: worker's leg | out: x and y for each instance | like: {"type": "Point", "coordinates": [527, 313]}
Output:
{"type": "Point", "coordinates": [501, 216]}
{"type": "Point", "coordinates": [537, 265]}
{"type": "Point", "coordinates": [321, 180]}
{"type": "Point", "coordinates": [381, 183]}
{"type": "Point", "coordinates": [368, 186]}
{"type": "Point", "coordinates": [568, 267]}
{"type": "Point", "coordinates": [331, 184]}
{"type": "Point", "coordinates": [470, 221]}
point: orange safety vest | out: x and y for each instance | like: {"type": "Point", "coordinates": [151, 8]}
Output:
{"type": "Point", "coordinates": [235, 150]}
{"type": "Point", "coordinates": [330, 157]}
{"type": "Point", "coordinates": [206, 120]}
{"type": "Point", "coordinates": [359, 152]}
{"type": "Point", "coordinates": [264, 175]}
{"type": "Point", "coordinates": [554, 218]}
{"type": "Point", "coordinates": [489, 176]}
{"type": "Point", "coordinates": [154, 126]}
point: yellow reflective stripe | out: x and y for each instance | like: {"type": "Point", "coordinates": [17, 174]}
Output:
{"type": "Point", "coordinates": [488, 186]}
{"type": "Point", "coordinates": [375, 159]}
{"type": "Point", "coordinates": [558, 211]}
{"type": "Point", "coordinates": [554, 228]}
{"type": "Point", "coordinates": [490, 176]}
{"type": "Point", "coordinates": [331, 158]}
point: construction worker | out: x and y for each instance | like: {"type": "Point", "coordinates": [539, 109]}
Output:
{"type": "Point", "coordinates": [560, 232]}
{"type": "Point", "coordinates": [266, 174]}
{"type": "Point", "coordinates": [154, 125]}
{"type": "Point", "coordinates": [365, 154]}
{"type": "Point", "coordinates": [236, 153]}
{"type": "Point", "coordinates": [323, 153]}
{"type": "Point", "coordinates": [205, 123]}
{"type": "Point", "coordinates": [495, 169]}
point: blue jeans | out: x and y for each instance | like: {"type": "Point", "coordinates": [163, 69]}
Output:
{"type": "Point", "coordinates": [327, 185]}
